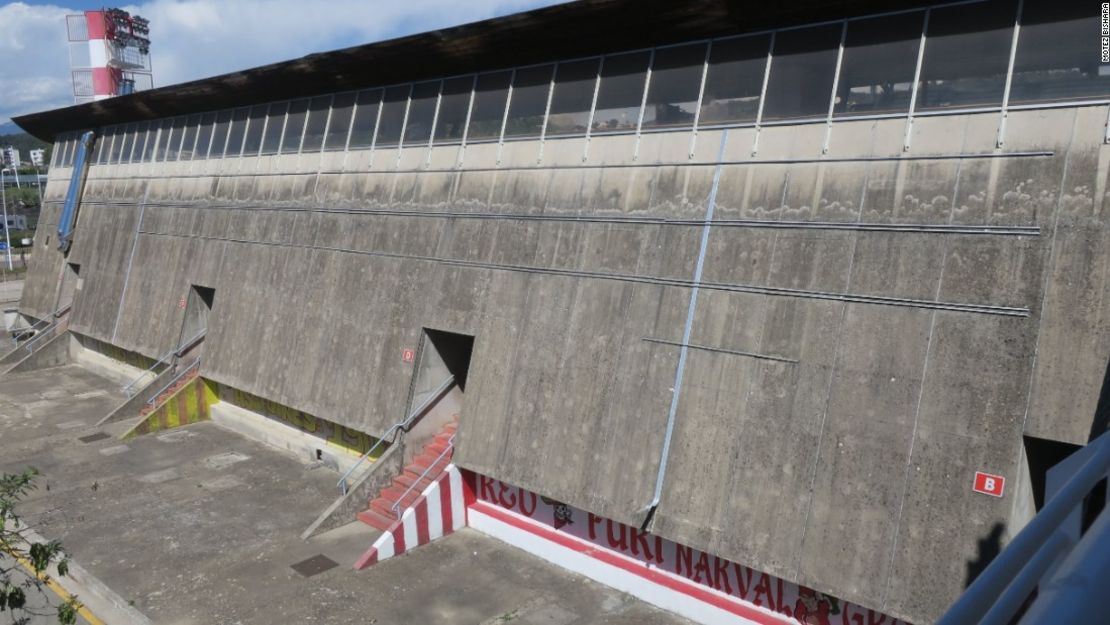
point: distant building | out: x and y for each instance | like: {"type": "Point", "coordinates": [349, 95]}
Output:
{"type": "Point", "coordinates": [38, 157]}
{"type": "Point", "coordinates": [17, 222]}
{"type": "Point", "coordinates": [10, 156]}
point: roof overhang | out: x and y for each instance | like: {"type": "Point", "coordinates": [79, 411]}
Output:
{"type": "Point", "coordinates": [574, 29]}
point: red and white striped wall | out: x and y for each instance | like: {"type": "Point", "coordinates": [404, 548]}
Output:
{"type": "Point", "coordinates": [440, 510]}
{"type": "Point", "coordinates": [103, 79]}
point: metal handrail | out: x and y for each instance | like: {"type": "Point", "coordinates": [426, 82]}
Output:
{"type": "Point", "coordinates": [397, 427]}
{"type": "Point", "coordinates": [25, 331]}
{"type": "Point", "coordinates": [987, 600]}
{"type": "Point", "coordinates": [397, 504]}
{"type": "Point", "coordinates": [53, 316]}
{"type": "Point", "coordinates": [163, 360]}
{"type": "Point", "coordinates": [181, 374]}
{"type": "Point", "coordinates": [29, 345]}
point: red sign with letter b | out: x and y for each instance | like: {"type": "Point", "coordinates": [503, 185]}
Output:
{"type": "Point", "coordinates": [989, 484]}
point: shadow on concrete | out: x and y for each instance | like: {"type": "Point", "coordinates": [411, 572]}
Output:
{"type": "Point", "coordinates": [988, 548]}
{"type": "Point", "coordinates": [1101, 422]}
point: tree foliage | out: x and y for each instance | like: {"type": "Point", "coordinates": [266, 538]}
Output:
{"type": "Point", "coordinates": [16, 582]}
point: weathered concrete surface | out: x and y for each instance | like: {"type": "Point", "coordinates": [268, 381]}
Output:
{"type": "Point", "coordinates": [824, 437]}
{"type": "Point", "coordinates": [199, 526]}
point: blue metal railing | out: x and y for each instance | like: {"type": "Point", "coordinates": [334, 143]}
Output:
{"type": "Point", "coordinates": [417, 412]}
{"type": "Point", "coordinates": [397, 504]}
{"type": "Point", "coordinates": [1048, 556]}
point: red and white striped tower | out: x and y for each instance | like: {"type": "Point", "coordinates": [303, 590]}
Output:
{"type": "Point", "coordinates": [109, 54]}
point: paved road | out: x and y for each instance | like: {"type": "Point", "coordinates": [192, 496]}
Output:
{"type": "Point", "coordinates": [42, 604]}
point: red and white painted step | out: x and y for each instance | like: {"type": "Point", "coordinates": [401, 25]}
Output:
{"type": "Point", "coordinates": [425, 469]}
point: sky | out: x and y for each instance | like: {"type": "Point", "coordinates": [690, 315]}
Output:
{"type": "Point", "coordinates": [192, 39]}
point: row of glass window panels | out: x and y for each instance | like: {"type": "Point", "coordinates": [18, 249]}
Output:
{"type": "Point", "coordinates": [964, 65]}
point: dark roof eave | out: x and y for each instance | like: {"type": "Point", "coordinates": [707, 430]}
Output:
{"type": "Point", "coordinates": [519, 39]}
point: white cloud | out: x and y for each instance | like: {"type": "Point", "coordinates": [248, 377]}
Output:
{"type": "Point", "coordinates": [192, 39]}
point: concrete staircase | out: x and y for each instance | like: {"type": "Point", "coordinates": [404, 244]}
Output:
{"type": "Point", "coordinates": [170, 391]}
{"type": "Point", "coordinates": [431, 460]}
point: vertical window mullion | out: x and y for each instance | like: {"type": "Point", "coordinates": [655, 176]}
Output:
{"type": "Point", "coordinates": [377, 125]}
{"type": "Point", "coordinates": [701, 98]}
{"type": "Point", "coordinates": [835, 86]}
{"type": "Point", "coordinates": [466, 124]}
{"type": "Point", "coordinates": [505, 115]}
{"type": "Point", "coordinates": [763, 93]}
{"type": "Point", "coordinates": [435, 116]}
{"type": "Point", "coordinates": [404, 125]}
{"type": "Point", "coordinates": [593, 109]}
{"type": "Point", "coordinates": [327, 124]}
{"type": "Point", "coordinates": [916, 81]}
{"type": "Point", "coordinates": [999, 140]}
{"type": "Point", "coordinates": [643, 104]}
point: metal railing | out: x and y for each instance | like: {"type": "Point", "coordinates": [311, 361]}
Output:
{"type": "Point", "coordinates": [48, 331]}
{"type": "Point", "coordinates": [45, 320]}
{"type": "Point", "coordinates": [396, 508]}
{"type": "Point", "coordinates": [1051, 556]}
{"type": "Point", "coordinates": [417, 412]}
{"type": "Point", "coordinates": [130, 389]}
{"type": "Point", "coordinates": [154, 398]}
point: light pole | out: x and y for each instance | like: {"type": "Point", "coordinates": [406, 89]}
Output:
{"type": "Point", "coordinates": [4, 200]}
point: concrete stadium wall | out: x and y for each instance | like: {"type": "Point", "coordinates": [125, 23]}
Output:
{"type": "Point", "coordinates": [872, 325]}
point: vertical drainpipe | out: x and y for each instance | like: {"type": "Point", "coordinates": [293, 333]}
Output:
{"type": "Point", "coordinates": [711, 204]}
{"type": "Point", "coordinates": [76, 187]}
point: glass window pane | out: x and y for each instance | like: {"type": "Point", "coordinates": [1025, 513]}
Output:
{"type": "Point", "coordinates": [294, 127]}
{"type": "Point", "coordinates": [967, 52]}
{"type": "Point", "coordinates": [621, 92]}
{"type": "Point", "coordinates": [573, 96]}
{"type": "Point", "coordinates": [189, 142]}
{"type": "Point", "coordinates": [136, 154]}
{"type": "Point", "coordinates": [1056, 57]}
{"type": "Point", "coordinates": [393, 115]}
{"type": "Point", "coordinates": [802, 72]}
{"type": "Point", "coordinates": [57, 153]}
{"type": "Point", "coordinates": [453, 103]}
{"type": "Point", "coordinates": [675, 81]}
{"type": "Point", "coordinates": [149, 142]}
{"type": "Point", "coordinates": [317, 124]}
{"type": "Point", "coordinates": [104, 146]}
{"type": "Point", "coordinates": [252, 142]}
{"type": "Point", "coordinates": [880, 56]}
{"type": "Point", "coordinates": [219, 134]}
{"type": "Point", "coordinates": [422, 110]}
{"type": "Point", "coordinates": [275, 124]}
{"type": "Point", "coordinates": [204, 135]}
{"type": "Point", "coordinates": [529, 101]}
{"type": "Point", "coordinates": [488, 112]}
{"type": "Point", "coordinates": [173, 142]}
{"type": "Point", "coordinates": [341, 109]}
{"type": "Point", "coordinates": [236, 131]}
{"type": "Point", "coordinates": [366, 117]}
{"type": "Point", "coordinates": [124, 141]}
{"type": "Point", "coordinates": [734, 81]}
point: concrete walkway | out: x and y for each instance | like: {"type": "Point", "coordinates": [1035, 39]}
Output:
{"type": "Point", "coordinates": [200, 526]}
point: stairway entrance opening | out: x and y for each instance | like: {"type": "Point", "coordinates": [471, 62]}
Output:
{"type": "Point", "coordinates": [198, 305]}
{"type": "Point", "coordinates": [438, 385]}
{"type": "Point", "coordinates": [71, 277]}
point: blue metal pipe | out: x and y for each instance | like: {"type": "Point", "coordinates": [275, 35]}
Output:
{"type": "Point", "coordinates": [76, 187]}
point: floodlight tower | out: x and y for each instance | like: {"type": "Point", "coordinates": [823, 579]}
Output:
{"type": "Point", "coordinates": [109, 54]}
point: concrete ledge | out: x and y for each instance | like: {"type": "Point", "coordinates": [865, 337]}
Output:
{"type": "Point", "coordinates": [131, 407]}
{"type": "Point", "coordinates": [100, 600]}
{"type": "Point", "coordinates": [366, 486]}
{"type": "Point", "coordinates": [265, 430]}
{"type": "Point", "coordinates": [53, 353]}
